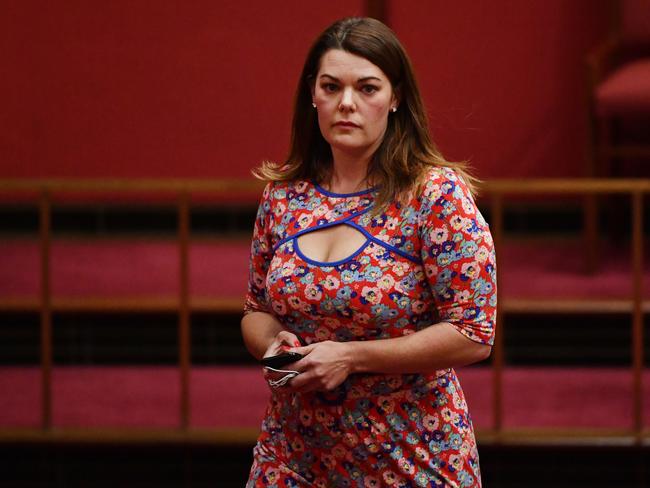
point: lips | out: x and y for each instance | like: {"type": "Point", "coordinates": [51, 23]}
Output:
{"type": "Point", "coordinates": [345, 123]}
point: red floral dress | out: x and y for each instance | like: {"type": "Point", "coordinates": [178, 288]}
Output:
{"type": "Point", "coordinates": [427, 261]}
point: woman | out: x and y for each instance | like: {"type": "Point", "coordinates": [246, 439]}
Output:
{"type": "Point", "coordinates": [368, 249]}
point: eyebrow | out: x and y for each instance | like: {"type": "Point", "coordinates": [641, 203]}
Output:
{"type": "Point", "coordinates": [365, 78]}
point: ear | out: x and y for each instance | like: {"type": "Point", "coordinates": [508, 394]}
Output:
{"type": "Point", "coordinates": [395, 98]}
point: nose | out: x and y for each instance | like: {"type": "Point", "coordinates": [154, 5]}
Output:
{"type": "Point", "coordinates": [347, 103]}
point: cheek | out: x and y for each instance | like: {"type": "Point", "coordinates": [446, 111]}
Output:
{"type": "Point", "coordinates": [378, 109]}
{"type": "Point", "coordinates": [324, 119]}
{"type": "Point", "coordinates": [377, 116]}
{"type": "Point", "coordinates": [323, 101]}
{"type": "Point", "coordinates": [325, 108]}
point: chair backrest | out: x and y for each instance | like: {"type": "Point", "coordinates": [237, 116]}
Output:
{"type": "Point", "coordinates": [635, 22]}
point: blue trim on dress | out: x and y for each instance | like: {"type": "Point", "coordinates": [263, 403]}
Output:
{"type": "Point", "coordinates": [342, 195]}
{"type": "Point", "coordinates": [346, 221]}
{"type": "Point", "coordinates": [322, 226]}
{"type": "Point", "coordinates": [372, 238]}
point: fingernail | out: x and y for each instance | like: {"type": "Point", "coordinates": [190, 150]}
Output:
{"type": "Point", "coordinates": [285, 348]}
{"type": "Point", "coordinates": [296, 343]}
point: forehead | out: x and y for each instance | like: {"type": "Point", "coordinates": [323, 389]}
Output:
{"type": "Point", "coordinates": [340, 64]}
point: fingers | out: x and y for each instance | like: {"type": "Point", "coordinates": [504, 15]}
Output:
{"type": "Point", "coordinates": [320, 369]}
{"type": "Point", "coordinates": [304, 350]}
{"type": "Point", "coordinates": [288, 338]}
{"type": "Point", "coordinates": [302, 383]}
{"type": "Point", "coordinates": [283, 341]}
{"type": "Point", "coordinates": [305, 382]}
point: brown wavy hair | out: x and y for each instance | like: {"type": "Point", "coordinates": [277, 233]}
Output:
{"type": "Point", "coordinates": [406, 151]}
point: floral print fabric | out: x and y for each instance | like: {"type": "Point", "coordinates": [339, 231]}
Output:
{"type": "Point", "coordinates": [426, 261]}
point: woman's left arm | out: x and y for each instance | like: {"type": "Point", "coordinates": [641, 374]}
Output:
{"type": "Point", "coordinates": [327, 364]}
{"type": "Point", "coordinates": [458, 258]}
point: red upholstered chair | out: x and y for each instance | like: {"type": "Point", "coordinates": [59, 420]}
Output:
{"type": "Point", "coordinates": [619, 108]}
{"type": "Point", "coordinates": [619, 79]}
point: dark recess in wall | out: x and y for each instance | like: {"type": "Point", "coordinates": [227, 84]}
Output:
{"type": "Point", "coordinates": [534, 219]}
{"type": "Point", "coordinates": [545, 340]}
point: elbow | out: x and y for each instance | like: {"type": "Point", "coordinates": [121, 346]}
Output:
{"type": "Point", "coordinates": [482, 352]}
{"type": "Point", "coordinates": [473, 351]}
{"type": "Point", "coordinates": [479, 352]}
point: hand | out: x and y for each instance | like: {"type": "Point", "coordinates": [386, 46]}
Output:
{"type": "Point", "coordinates": [283, 341]}
{"type": "Point", "coordinates": [325, 366]}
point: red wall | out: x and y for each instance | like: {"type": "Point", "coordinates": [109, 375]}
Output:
{"type": "Point", "coordinates": [504, 80]}
{"type": "Point", "coordinates": [151, 88]}
{"type": "Point", "coordinates": [204, 88]}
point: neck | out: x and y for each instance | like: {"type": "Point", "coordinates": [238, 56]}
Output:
{"type": "Point", "coordinates": [349, 172]}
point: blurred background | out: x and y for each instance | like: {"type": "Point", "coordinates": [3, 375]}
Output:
{"type": "Point", "coordinates": [128, 130]}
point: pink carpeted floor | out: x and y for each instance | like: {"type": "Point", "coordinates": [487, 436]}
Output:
{"type": "Point", "coordinates": [232, 397]}
{"type": "Point", "coordinates": [119, 268]}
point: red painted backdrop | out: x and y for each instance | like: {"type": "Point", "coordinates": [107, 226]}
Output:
{"type": "Point", "coordinates": [504, 80]}
{"type": "Point", "coordinates": [204, 88]}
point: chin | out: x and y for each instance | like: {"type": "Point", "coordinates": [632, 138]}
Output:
{"type": "Point", "coordinates": [347, 144]}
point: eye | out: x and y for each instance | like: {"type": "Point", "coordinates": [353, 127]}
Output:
{"type": "Point", "coordinates": [329, 87]}
{"type": "Point", "coordinates": [369, 89]}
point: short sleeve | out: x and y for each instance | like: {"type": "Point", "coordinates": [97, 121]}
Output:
{"type": "Point", "coordinates": [260, 256]}
{"type": "Point", "coordinates": [458, 257]}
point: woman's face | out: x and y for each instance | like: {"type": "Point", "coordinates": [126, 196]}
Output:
{"type": "Point", "coordinates": [353, 98]}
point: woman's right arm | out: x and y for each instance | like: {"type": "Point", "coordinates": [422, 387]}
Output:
{"type": "Point", "coordinates": [263, 334]}
{"type": "Point", "coordinates": [260, 331]}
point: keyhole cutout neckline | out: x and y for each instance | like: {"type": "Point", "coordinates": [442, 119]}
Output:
{"type": "Point", "coordinates": [342, 242]}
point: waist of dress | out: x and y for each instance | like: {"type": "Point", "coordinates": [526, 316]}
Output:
{"type": "Point", "coordinates": [359, 386]}
{"type": "Point", "coordinates": [383, 384]}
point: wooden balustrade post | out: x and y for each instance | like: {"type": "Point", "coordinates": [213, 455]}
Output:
{"type": "Point", "coordinates": [498, 353]}
{"type": "Point", "coordinates": [590, 232]}
{"type": "Point", "coordinates": [637, 314]}
{"type": "Point", "coordinates": [45, 230]}
{"type": "Point", "coordinates": [184, 337]}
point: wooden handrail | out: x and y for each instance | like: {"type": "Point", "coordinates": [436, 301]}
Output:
{"type": "Point", "coordinates": [131, 185]}
{"type": "Point", "coordinates": [580, 186]}
{"type": "Point", "coordinates": [583, 186]}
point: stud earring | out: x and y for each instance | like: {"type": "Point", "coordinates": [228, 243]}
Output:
{"type": "Point", "coordinates": [394, 109]}
{"type": "Point", "coordinates": [313, 104]}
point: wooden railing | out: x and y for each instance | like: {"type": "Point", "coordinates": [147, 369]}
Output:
{"type": "Point", "coordinates": [498, 191]}
{"type": "Point", "coordinates": [46, 192]}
